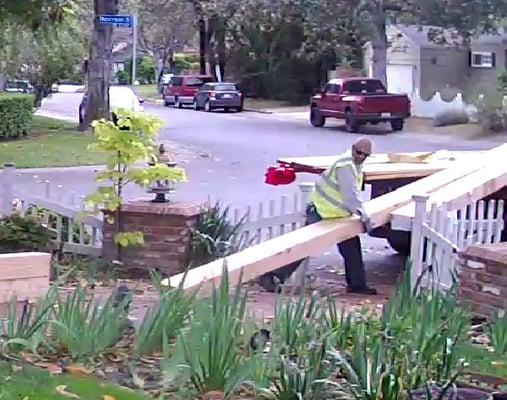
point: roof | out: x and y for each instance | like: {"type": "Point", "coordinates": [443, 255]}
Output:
{"type": "Point", "coordinates": [494, 39]}
{"type": "Point", "coordinates": [419, 35]}
{"type": "Point", "coordinates": [356, 78]}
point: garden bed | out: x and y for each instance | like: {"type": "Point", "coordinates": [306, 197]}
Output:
{"type": "Point", "coordinates": [186, 348]}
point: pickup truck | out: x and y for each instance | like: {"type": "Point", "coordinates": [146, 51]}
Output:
{"type": "Point", "coordinates": [359, 101]}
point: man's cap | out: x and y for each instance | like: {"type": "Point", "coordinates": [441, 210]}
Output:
{"type": "Point", "coordinates": [364, 145]}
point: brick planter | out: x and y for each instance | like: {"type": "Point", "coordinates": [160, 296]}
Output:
{"type": "Point", "coordinates": [24, 275]}
{"type": "Point", "coordinates": [483, 279]}
{"type": "Point", "coordinates": [166, 228]}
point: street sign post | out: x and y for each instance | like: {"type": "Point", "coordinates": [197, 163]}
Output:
{"type": "Point", "coordinates": [124, 21]}
{"type": "Point", "coordinates": [120, 21]}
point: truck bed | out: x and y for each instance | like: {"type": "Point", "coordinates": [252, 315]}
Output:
{"type": "Point", "coordinates": [388, 165]}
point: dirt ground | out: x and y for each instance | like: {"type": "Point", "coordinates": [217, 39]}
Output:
{"type": "Point", "coordinates": [325, 277]}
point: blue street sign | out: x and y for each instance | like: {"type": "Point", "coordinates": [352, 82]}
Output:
{"type": "Point", "coordinates": [120, 21]}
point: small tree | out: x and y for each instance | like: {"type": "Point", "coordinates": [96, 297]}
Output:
{"type": "Point", "coordinates": [127, 142]}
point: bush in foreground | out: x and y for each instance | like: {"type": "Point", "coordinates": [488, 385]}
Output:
{"type": "Point", "coordinates": [16, 112]}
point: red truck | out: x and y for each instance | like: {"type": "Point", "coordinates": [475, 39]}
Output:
{"type": "Point", "coordinates": [359, 101]}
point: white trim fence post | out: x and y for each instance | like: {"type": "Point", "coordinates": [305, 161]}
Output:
{"type": "Point", "coordinates": [417, 238]}
{"type": "Point", "coordinates": [7, 195]}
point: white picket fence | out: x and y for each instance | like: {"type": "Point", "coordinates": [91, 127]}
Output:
{"type": "Point", "coordinates": [274, 217]}
{"type": "Point", "coordinates": [61, 211]}
{"type": "Point", "coordinates": [439, 234]}
{"type": "Point", "coordinates": [74, 228]}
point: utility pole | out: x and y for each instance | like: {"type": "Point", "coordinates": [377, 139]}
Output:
{"type": "Point", "coordinates": [134, 48]}
{"type": "Point", "coordinates": [99, 64]}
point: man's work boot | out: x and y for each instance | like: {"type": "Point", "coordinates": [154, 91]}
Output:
{"type": "Point", "coordinates": [364, 290]}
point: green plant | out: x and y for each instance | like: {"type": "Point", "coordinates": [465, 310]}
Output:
{"type": "Point", "coordinates": [215, 236]}
{"type": "Point", "coordinates": [305, 377]}
{"type": "Point", "coordinates": [26, 330]}
{"type": "Point", "coordinates": [128, 141]}
{"type": "Point", "coordinates": [338, 326]}
{"type": "Point", "coordinates": [497, 332]}
{"type": "Point", "coordinates": [15, 115]}
{"type": "Point", "coordinates": [210, 346]}
{"type": "Point", "coordinates": [296, 324]}
{"type": "Point", "coordinates": [85, 328]}
{"type": "Point", "coordinates": [164, 320]}
{"type": "Point", "coordinates": [18, 233]}
{"type": "Point", "coordinates": [123, 77]}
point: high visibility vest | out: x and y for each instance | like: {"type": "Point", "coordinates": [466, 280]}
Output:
{"type": "Point", "coordinates": [327, 196]}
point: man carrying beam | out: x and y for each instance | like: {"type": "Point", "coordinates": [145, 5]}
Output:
{"type": "Point", "coordinates": [336, 195]}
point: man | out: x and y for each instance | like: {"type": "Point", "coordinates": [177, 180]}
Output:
{"type": "Point", "coordinates": [336, 195]}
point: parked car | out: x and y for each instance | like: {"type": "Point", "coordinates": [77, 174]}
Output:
{"type": "Point", "coordinates": [18, 86]}
{"type": "Point", "coordinates": [183, 88]}
{"type": "Point", "coordinates": [119, 97]}
{"type": "Point", "coordinates": [359, 101]}
{"type": "Point", "coordinates": [218, 95]}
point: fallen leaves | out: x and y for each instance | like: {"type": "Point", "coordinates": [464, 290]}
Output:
{"type": "Point", "coordinates": [62, 391]}
{"type": "Point", "coordinates": [107, 397]}
{"type": "Point", "coordinates": [77, 370]}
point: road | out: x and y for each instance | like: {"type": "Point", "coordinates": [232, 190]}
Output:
{"type": "Point", "coordinates": [226, 154]}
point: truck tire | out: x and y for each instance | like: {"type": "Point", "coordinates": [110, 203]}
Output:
{"type": "Point", "coordinates": [316, 118]}
{"type": "Point", "coordinates": [400, 241]}
{"type": "Point", "coordinates": [397, 125]}
{"type": "Point", "coordinates": [351, 125]}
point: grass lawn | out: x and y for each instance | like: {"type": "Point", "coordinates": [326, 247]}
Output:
{"type": "Point", "coordinates": [31, 383]}
{"type": "Point", "coordinates": [147, 91]}
{"type": "Point", "coordinates": [50, 143]}
{"type": "Point", "coordinates": [483, 362]}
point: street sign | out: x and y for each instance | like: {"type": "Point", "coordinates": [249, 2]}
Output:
{"type": "Point", "coordinates": [120, 21]}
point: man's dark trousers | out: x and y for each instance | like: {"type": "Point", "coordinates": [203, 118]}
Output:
{"type": "Point", "coordinates": [350, 250]}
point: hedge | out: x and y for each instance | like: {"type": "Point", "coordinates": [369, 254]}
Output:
{"type": "Point", "coordinates": [16, 111]}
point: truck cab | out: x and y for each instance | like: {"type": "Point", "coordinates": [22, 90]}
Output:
{"type": "Point", "coordinates": [359, 101]}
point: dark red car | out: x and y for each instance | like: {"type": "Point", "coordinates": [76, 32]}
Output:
{"type": "Point", "coordinates": [359, 101]}
{"type": "Point", "coordinates": [182, 89]}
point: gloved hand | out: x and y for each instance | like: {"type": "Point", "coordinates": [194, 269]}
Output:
{"type": "Point", "coordinates": [365, 219]}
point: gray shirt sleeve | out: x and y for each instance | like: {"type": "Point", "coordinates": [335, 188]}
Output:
{"type": "Point", "coordinates": [348, 185]}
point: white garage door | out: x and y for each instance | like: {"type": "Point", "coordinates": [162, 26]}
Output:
{"type": "Point", "coordinates": [400, 78]}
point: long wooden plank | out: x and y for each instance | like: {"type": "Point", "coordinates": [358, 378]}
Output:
{"type": "Point", "coordinates": [459, 193]}
{"type": "Point", "coordinates": [309, 240]}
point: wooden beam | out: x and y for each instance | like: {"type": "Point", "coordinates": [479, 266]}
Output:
{"type": "Point", "coordinates": [310, 240]}
{"type": "Point", "coordinates": [24, 275]}
{"type": "Point", "coordinates": [458, 194]}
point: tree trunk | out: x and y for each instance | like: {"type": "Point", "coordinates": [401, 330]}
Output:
{"type": "Point", "coordinates": [100, 65]}
{"type": "Point", "coordinates": [220, 35]}
{"type": "Point", "coordinates": [379, 45]}
{"type": "Point", "coordinates": [202, 45]}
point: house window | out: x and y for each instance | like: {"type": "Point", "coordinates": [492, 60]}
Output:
{"type": "Point", "coordinates": [483, 60]}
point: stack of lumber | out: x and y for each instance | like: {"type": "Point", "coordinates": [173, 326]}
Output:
{"type": "Point", "coordinates": [310, 240]}
{"type": "Point", "coordinates": [394, 165]}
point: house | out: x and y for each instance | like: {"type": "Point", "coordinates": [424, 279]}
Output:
{"type": "Point", "coordinates": [488, 58]}
{"type": "Point", "coordinates": [417, 63]}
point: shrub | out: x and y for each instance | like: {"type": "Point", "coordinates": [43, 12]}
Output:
{"type": "Point", "coordinates": [215, 235]}
{"type": "Point", "coordinates": [451, 117]}
{"type": "Point", "coordinates": [85, 328]}
{"type": "Point", "coordinates": [16, 112]}
{"type": "Point", "coordinates": [492, 111]}
{"type": "Point", "coordinates": [19, 233]}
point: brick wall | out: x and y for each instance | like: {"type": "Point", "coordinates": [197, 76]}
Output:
{"type": "Point", "coordinates": [166, 228]}
{"type": "Point", "coordinates": [483, 278]}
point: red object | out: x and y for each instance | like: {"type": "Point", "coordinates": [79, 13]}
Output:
{"type": "Point", "coordinates": [183, 88]}
{"type": "Point", "coordinates": [280, 176]}
{"type": "Point", "coordinates": [359, 101]}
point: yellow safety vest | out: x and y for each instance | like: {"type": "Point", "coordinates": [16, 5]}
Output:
{"type": "Point", "coordinates": [327, 197]}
